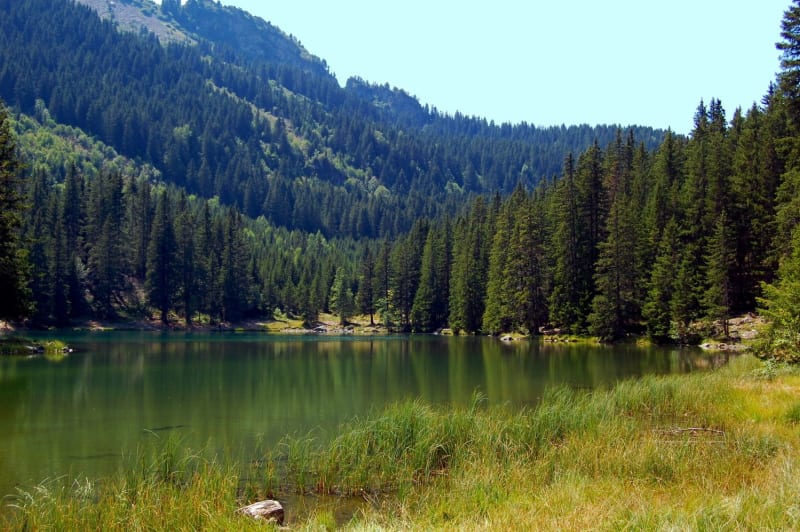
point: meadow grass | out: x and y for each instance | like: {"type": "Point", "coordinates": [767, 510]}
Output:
{"type": "Point", "coordinates": [714, 450]}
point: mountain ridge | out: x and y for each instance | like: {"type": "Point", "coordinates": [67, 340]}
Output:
{"type": "Point", "coordinates": [206, 20]}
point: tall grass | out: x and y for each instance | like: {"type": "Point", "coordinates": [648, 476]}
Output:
{"type": "Point", "coordinates": [165, 487]}
{"type": "Point", "coordinates": [717, 450]}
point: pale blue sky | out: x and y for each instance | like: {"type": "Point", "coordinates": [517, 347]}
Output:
{"type": "Point", "coordinates": [548, 63]}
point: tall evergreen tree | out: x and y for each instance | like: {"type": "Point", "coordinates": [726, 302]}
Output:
{"type": "Point", "coordinates": [789, 77]}
{"type": "Point", "coordinates": [615, 278]}
{"type": "Point", "coordinates": [429, 310]}
{"type": "Point", "coordinates": [781, 306]}
{"type": "Point", "coordinates": [524, 275]}
{"type": "Point", "coordinates": [470, 267]}
{"type": "Point", "coordinates": [14, 267]}
{"type": "Point", "coordinates": [60, 274]}
{"type": "Point", "coordinates": [342, 302]}
{"type": "Point", "coordinates": [162, 259]}
{"type": "Point", "coordinates": [569, 291]}
{"type": "Point", "coordinates": [106, 257]}
{"type": "Point", "coordinates": [657, 309]}
{"type": "Point", "coordinates": [73, 214]}
{"type": "Point", "coordinates": [187, 271]}
{"type": "Point", "coordinates": [406, 261]}
{"type": "Point", "coordinates": [721, 261]}
{"type": "Point", "coordinates": [365, 299]}
{"type": "Point", "coordinates": [235, 274]}
{"type": "Point", "coordinates": [497, 315]}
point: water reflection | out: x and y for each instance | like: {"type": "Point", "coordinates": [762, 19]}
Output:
{"type": "Point", "coordinates": [228, 391]}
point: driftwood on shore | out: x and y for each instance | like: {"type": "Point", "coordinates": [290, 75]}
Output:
{"type": "Point", "coordinates": [268, 510]}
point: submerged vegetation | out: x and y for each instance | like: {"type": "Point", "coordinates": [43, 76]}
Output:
{"type": "Point", "coordinates": [708, 450]}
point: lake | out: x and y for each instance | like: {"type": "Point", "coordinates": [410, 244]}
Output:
{"type": "Point", "coordinates": [120, 391]}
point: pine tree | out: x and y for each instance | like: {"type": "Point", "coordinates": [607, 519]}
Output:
{"type": "Point", "coordinates": [789, 77]}
{"type": "Point", "coordinates": [341, 298]}
{"type": "Point", "coordinates": [524, 275]}
{"type": "Point", "coordinates": [579, 220]}
{"type": "Point", "coordinates": [188, 280]}
{"type": "Point", "coordinates": [756, 172]}
{"type": "Point", "coordinates": [657, 311]}
{"type": "Point", "coordinates": [14, 267]}
{"type": "Point", "coordinates": [685, 302]}
{"type": "Point", "coordinates": [72, 212]}
{"type": "Point", "coordinates": [470, 267]}
{"type": "Point", "coordinates": [235, 274]}
{"type": "Point", "coordinates": [721, 260]}
{"type": "Point", "coordinates": [693, 202]}
{"type": "Point", "coordinates": [60, 274]}
{"type": "Point", "coordinates": [203, 235]}
{"type": "Point", "coordinates": [383, 273]}
{"type": "Point", "coordinates": [162, 260]}
{"type": "Point", "coordinates": [497, 313]}
{"type": "Point", "coordinates": [659, 205]}
{"type": "Point", "coordinates": [140, 216]}
{"type": "Point", "coordinates": [615, 278]}
{"type": "Point", "coordinates": [365, 299]}
{"type": "Point", "coordinates": [406, 260]}
{"type": "Point", "coordinates": [781, 306]}
{"type": "Point", "coordinates": [106, 257]}
{"type": "Point", "coordinates": [38, 232]}
{"type": "Point", "coordinates": [429, 310]}
{"type": "Point", "coordinates": [567, 297]}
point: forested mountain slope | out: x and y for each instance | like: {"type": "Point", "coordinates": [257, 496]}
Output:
{"type": "Point", "coordinates": [264, 127]}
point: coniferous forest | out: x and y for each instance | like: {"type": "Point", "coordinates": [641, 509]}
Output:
{"type": "Point", "coordinates": [201, 180]}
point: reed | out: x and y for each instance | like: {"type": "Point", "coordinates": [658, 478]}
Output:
{"type": "Point", "coordinates": [165, 487]}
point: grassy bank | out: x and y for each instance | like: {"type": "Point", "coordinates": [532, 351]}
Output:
{"type": "Point", "coordinates": [716, 450]}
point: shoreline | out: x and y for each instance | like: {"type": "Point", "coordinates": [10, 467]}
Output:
{"type": "Point", "coordinates": [743, 330]}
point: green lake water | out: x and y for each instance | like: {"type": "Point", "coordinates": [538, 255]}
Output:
{"type": "Point", "coordinates": [229, 392]}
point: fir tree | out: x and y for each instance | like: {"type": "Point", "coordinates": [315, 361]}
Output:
{"type": "Point", "coordinates": [341, 298]}
{"type": "Point", "coordinates": [405, 263]}
{"type": "Point", "coordinates": [235, 276]}
{"type": "Point", "coordinates": [429, 310]}
{"type": "Point", "coordinates": [187, 271]}
{"type": "Point", "coordinates": [568, 294]}
{"type": "Point", "coordinates": [789, 77]}
{"type": "Point", "coordinates": [106, 256]}
{"type": "Point", "coordinates": [781, 306]}
{"type": "Point", "coordinates": [470, 265]}
{"type": "Point", "coordinates": [721, 260]}
{"type": "Point", "coordinates": [497, 313]}
{"type": "Point", "coordinates": [14, 267]}
{"type": "Point", "coordinates": [657, 311]}
{"type": "Point", "coordinates": [162, 260]}
{"type": "Point", "coordinates": [615, 279]}
{"type": "Point", "coordinates": [524, 275]}
{"type": "Point", "coordinates": [365, 299]}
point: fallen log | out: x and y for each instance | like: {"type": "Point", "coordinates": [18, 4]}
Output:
{"type": "Point", "coordinates": [691, 429]}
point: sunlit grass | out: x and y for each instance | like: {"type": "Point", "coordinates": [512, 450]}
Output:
{"type": "Point", "coordinates": [715, 450]}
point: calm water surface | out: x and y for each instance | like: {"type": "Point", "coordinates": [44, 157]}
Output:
{"type": "Point", "coordinates": [121, 391]}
